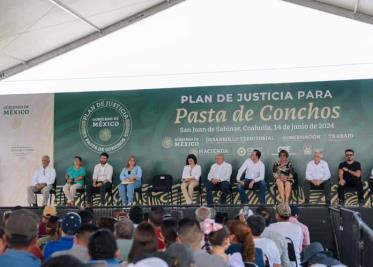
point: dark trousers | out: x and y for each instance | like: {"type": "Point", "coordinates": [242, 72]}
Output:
{"type": "Point", "coordinates": [326, 186]}
{"type": "Point", "coordinates": [262, 191]}
{"type": "Point", "coordinates": [102, 190]}
{"type": "Point", "coordinates": [354, 183]}
{"type": "Point", "coordinates": [223, 186]}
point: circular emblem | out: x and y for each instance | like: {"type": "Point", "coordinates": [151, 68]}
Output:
{"type": "Point", "coordinates": [167, 142]}
{"type": "Point", "coordinates": [241, 151]}
{"type": "Point", "coordinates": [105, 125]}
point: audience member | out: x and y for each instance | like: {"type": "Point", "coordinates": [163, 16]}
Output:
{"type": "Point", "coordinates": [156, 219]}
{"type": "Point", "coordinates": [314, 254]}
{"type": "Point", "coordinates": [180, 255]}
{"type": "Point", "coordinates": [269, 248]}
{"type": "Point", "coordinates": [48, 211]}
{"type": "Point", "coordinates": [80, 248]}
{"type": "Point", "coordinates": [144, 242]}
{"type": "Point", "coordinates": [70, 225]}
{"type": "Point", "coordinates": [217, 241]}
{"type": "Point", "coordinates": [241, 241]}
{"type": "Point", "coordinates": [106, 223]}
{"type": "Point", "coordinates": [289, 230]}
{"type": "Point", "coordinates": [63, 261]}
{"type": "Point", "coordinates": [124, 231]}
{"type": "Point", "coordinates": [190, 233]}
{"type": "Point", "coordinates": [279, 239]}
{"type": "Point", "coordinates": [102, 246]}
{"type": "Point", "coordinates": [136, 215]}
{"type": "Point", "coordinates": [2, 241]}
{"type": "Point", "coordinates": [203, 213]}
{"type": "Point", "coordinates": [294, 219]}
{"type": "Point", "coordinates": [149, 262]}
{"type": "Point", "coordinates": [21, 228]}
{"type": "Point", "coordinates": [53, 232]}
{"type": "Point", "coordinates": [86, 216]}
{"type": "Point", "coordinates": [169, 232]}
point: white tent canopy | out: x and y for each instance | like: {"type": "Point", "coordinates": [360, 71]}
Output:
{"type": "Point", "coordinates": [211, 42]}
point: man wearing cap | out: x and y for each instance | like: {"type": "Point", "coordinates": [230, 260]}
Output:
{"type": "Point", "coordinates": [42, 181]}
{"type": "Point", "coordinates": [21, 230]}
{"type": "Point", "coordinates": [47, 213]}
{"type": "Point", "coordinates": [70, 225]}
{"type": "Point", "coordinates": [290, 231]}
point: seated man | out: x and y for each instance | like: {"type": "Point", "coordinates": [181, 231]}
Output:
{"type": "Point", "coordinates": [254, 173]}
{"type": "Point", "coordinates": [101, 180]}
{"type": "Point", "coordinates": [318, 175]}
{"type": "Point", "coordinates": [349, 173]}
{"type": "Point", "coordinates": [42, 181]}
{"type": "Point", "coordinates": [219, 178]}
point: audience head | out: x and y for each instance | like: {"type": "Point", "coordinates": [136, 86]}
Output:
{"type": "Point", "coordinates": [104, 157]}
{"type": "Point", "coordinates": [53, 226]}
{"type": "Point", "coordinates": [49, 211]}
{"type": "Point", "coordinates": [71, 223]}
{"type": "Point", "coordinates": [294, 210]}
{"type": "Point", "coordinates": [78, 161]}
{"type": "Point", "coordinates": [102, 245]}
{"type": "Point", "coordinates": [204, 213]}
{"type": "Point", "coordinates": [131, 161]}
{"type": "Point", "coordinates": [84, 233]}
{"type": "Point", "coordinates": [106, 223]}
{"type": "Point", "coordinates": [169, 231]}
{"type": "Point", "coordinates": [255, 155]}
{"type": "Point", "coordinates": [124, 229]}
{"type": "Point", "coordinates": [216, 235]}
{"type": "Point", "coordinates": [2, 241]}
{"type": "Point", "coordinates": [190, 232]}
{"type": "Point", "coordinates": [241, 233]}
{"type": "Point", "coordinates": [21, 229]}
{"type": "Point", "coordinates": [86, 216]}
{"type": "Point", "coordinates": [181, 255]}
{"type": "Point", "coordinates": [219, 158]}
{"type": "Point", "coordinates": [45, 160]}
{"type": "Point", "coordinates": [349, 154]}
{"type": "Point", "coordinates": [156, 216]}
{"type": "Point", "coordinates": [144, 241]}
{"type": "Point", "coordinates": [283, 212]}
{"type": "Point", "coordinates": [256, 224]}
{"type": "Point", "coordinates": [136, 215]}
{"type": "Point", "coordinates": [265, 213]}
{"type": "Point", "coordinates": [191, 159]}
{"type": "Point", "coordinates": [63, 261]}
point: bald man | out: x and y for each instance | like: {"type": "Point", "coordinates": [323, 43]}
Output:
{"type": "Point", "coordinates": [42, 181]}
{"type": "Point", "coordinates": [317, 177]}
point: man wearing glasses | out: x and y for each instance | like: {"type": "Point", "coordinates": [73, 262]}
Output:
{"type": "Point", "coordinates": [42, 181]}
{"type": "Point", "coordinates": [349, 173]}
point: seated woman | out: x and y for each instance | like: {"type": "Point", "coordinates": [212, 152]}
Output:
{"type": "Point", "coordinates": [190, 178]}
{"type": "Point", "coordinates": [74, 180]}
{"type": "Point", "coordinates": [130, 178]}
{"type": "Point", "coordinates": [284, 173]}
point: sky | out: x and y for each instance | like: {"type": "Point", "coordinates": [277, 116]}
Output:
{"type": "Point", "coordinates": [211, 42]}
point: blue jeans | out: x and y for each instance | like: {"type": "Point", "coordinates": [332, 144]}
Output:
{"type": "Point", "coordinates": [127, 191]}
{"type": "Point", "coordinates": [262, 191]}
{"type": "Point", "coordinates": [223, 186]}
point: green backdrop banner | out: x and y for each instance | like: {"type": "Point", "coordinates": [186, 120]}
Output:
{"type": "Point", "coordinates": [161, 126]}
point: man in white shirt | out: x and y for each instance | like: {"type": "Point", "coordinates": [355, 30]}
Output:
{"type": "Point", "coordinates": [254, 175]}
{"type": "Point", "coordinates": [42, 181]}
{"type": "Point", "coordinates": [317, 176]}
{"type": "Point", "coordinates": [101, 179]}
{"type": "Point", "coordinates": [287, 229]}
{"type": "Point", "coordinates": [219, 178]}
{"type": "Point", "coordinates": [269, 248]}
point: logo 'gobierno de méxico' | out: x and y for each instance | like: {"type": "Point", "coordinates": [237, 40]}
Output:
{"type": "Point", "coordinates": [105, 125]}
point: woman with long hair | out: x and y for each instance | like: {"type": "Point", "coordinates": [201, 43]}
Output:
{"type": "Point", "coordinates": [144, 242]}
{"type": "Point", "coordinates": [130, 178]}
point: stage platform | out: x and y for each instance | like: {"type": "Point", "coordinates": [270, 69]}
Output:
{"type": "Point", "coordinates": [316, 217]}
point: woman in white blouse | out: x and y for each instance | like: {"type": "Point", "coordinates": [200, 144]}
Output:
{"type": "Point", "coordinates": [190, 178]}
